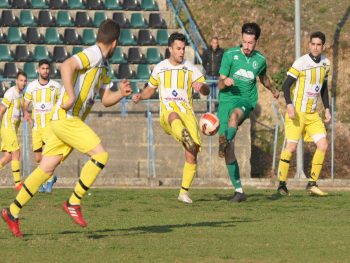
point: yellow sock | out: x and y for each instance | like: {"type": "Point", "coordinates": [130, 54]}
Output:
{"type": "Point", "coordinates": [284, 165]}
{"type": "Point", "coordinates": [177, 127]}
{"type": "Point", "coordinates": [88, 176]}
{"type": "Point", "coordinates": [317, 162]}
{"type": "Point", "coordinates": [16, 172]}
{"type": "Point", "coordinates": [29, 189]}
{"type": "Point", "coordinates": [187, 177]}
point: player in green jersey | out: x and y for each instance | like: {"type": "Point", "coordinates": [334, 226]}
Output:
{"type": "Point", "coordinates": [238, 96]}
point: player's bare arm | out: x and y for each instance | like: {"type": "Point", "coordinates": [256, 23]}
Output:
{"type": "Point", "coordinates": [110, 97]}
{"type": "Point", "coordinates": [201, 87]}
{"type": "Point", "coordinates": [265, 80]}
{"type": "Point", "coordinates": [225, 82]}
{"type": "Point", "coordinates": [2, 111]}
{"type": "Point", "coordinates": [67, 72]}
{"type": "Point", "coordinates": [145, 94]}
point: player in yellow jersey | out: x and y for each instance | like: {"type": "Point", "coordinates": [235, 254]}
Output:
{"type": "Point", "coordinates": [42, 93]}
{"type": "Point", "coordinates": [83, 76]}
{"type": "Point", "coordinates": [306, 81]}
{"type": "Point", "coordinates": [175, 78]}
{"type": "Point", "coordinates": [10, 113]}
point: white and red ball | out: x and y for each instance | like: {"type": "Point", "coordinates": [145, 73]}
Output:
{"type": "Point", "coordinates": [209, 124]}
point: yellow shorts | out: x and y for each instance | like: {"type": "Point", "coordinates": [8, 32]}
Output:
{"type": "Point", "coordinates": [9, 140]}
{"type": "Point", "coordinates": [69, 134]}
{"type": "Point", "coordinates": [309, 125]}
{"type": "Point", "coordinates": [189, 120]}
{"type": "Point", "coordinates": [39, 138]}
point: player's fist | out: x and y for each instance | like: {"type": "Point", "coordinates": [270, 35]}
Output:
{"type": "Point", "coordinates": [27, 116]}
{"type": "Point", "coordinates": [328, 116]}
{"type": "Point", "coordinates": [275, 94]}
{"type": "Point", "coordinates": [229, 82]}
{"type": "Point", "coordinates": [291, 111]}
{"type": "Point", "coordinates": [136, 98]}
{"type": "Point", "coordinates": [68, 104]}
{"type": "Point", "coordinates": [125, 88]}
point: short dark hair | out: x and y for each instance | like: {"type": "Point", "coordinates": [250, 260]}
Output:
{"type": "Point", "coordinates": [176, 36]}
{"type": "Point", "coordinates": [108, 31]}
{"type": "Point", "coordinates": [318, 34]}
{"type": "Point", "coordinates": [44, 62]}
{"type": "Point", "coordinates": [19, 73]}
{"type": "Point", "coordinates": [251, 29]}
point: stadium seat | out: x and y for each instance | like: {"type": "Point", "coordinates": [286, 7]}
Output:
{"type": "Point", "coordinates": [30, 69]}
{"type": "Point", "coordinates": [94, 4]}
{"type": "Point", "coordinates": [5, 4]}
{"type": "Point", "coordinates": [155, 21]}
{"type": "Point", "coordinates": [162, 37]}
{"type": "Point", "coordinates": [5, 53]}
{"type": "Point", "coordinates": [54, 72]}
{"type": "Point", "coordinates": [135, 56]}
{"type": "Point", "coordinates": [64, 19]}
{"type": "Point", "coordinates": [39, 4]}
{"type": "Point", "coordinates": [2, 37]}
{"type": "Point", "coordinates": [14, 36]}
{"type": "Point", "coordinates": [167, 53]}
{"type": "Point", "coordinates": [26, 18]}
{"type": "Point", "coordinates": [60, 54]}
{"type": "Point", "coordinates": [89, 36]}
{"type": "Point", "coordinates": [145, 38]}
{"type": "Point", "coordinates": [99, 17]}
{"type": "Point", "coordinates": [111, 73]}
{"type": "Point", "coordinates": [113, 5]}
{"type": "Point", "coordinates": [149, 5]}
{"type": "Point", "coordinates": [20, 4]}
{"type": "Point", "coordinates": [8, 18]}
{"type": "Point", "coordinates": [33, 36]}
{"type": "Point", "coordinates": [138, 21]}
{"type": "Point", "coordinates": [46, 19]}
{"type": "Point", "coordinates": [58, 4]}
{"type": "Point", "coordinates": [76, 4]}
{"type": "Point", "coordinates": [118, 57]}
{"type": "Point", "coordinates": [2, 89]}
{"type": "Point", "coordinates": [125, 72]}
{"type": "Point", "coordinates": [76, 50]}
{"type": "Point", "coordinates": [23, 54]}
{"type": "Point", "coordinates": [121, 19]}
{"type": "Point", "coordinates": [143, 71]}
{"type": "Point", "coordinates": [132, 5]}
{"type": "Point", "coordinates": [82, 19]}
{"type": "Point", "coordinates": [10, 70]}
{"type": "Point", "coordinates": [126, 38]}
{"type": "Point", "coordinates": [153, 56]}
{"type": "Point", "coordinates": [52, 36]}
{"type": "Point", "coordinates": [41, 52]}
{"type": "Point", "coordinates": [71, 37]}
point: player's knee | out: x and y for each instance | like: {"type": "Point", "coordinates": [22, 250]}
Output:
{"type": "Point", "coordinates": [100, 159]}
{"type": "Point", "coordinates": [322, 145]}
{"type": "Point", "coordinates": [173, 116]}
{"type": "Point", "coordinates": [291, 147]}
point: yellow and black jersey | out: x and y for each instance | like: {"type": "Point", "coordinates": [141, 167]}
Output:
{"type": "Point", "coordinates": [12, 101]}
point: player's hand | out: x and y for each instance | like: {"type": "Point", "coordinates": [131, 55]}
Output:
{"type": "Point", "coordinates": [291, 111]}
{"type": "Point", "coordinates": [275, 94]}
{"type": "Point", "coordinates": [197, 86]}
{"type": "Point", "coordinates": [202, 88]}
{"type": "Point", "coordinates": [328, 116]}
{"type": "Point", "coordinates": [229, 82]}
{"type": "Point", "coordinates": [136, 98]}
{"type": "Point", "coordinates": [27, 117]}
{"type": "Point", "coordinates": [125, 88]}
{"type": "Point", "coordinates": [68, 104]}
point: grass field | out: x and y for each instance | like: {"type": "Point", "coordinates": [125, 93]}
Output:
{"type": "Point", "coordinates": [151, 226]}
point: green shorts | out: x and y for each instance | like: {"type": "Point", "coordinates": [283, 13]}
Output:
{"type": "Point", "coordinates": [226, 107]}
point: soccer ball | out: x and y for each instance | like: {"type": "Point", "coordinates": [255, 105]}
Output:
{"type": "Point", "coordinates": [209, 124]}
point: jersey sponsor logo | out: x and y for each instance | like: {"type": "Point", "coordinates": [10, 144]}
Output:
{"type": "Point", "coordinates": [174, 93]}
{"type": "Point", "coordinates": [243, 74]}
{"type": "Point", "coordinates": [235, 57]}
{"type": "Point", "coordinates": [255, 64]}
{"type": "Point", "coordinates": [42, 106]}
{"type": "Point", "coordinates": [317, 88]}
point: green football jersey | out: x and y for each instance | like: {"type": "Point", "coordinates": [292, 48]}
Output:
{"type": "Point", "coordinates": [244, 71]}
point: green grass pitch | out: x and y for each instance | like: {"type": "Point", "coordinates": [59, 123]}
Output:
{"type": "Point", "coordinates": [143, 225]}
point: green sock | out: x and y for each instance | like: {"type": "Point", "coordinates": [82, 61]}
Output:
{"type": "Point", "coordinates": [230, 133]}
{"type": "Point", "coordinates": [233, 172]}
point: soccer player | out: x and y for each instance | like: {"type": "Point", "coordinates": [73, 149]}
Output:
{"type": "Point", "coordinates": [83, 75]}
{"type": "Point", "coordinates": [176, 78]}
{"type": "Point", "coordinates": [306, 80]}
{"type": "Point", "coordinates": [43, 94]}
{"type": "Point", "coordinates": [10, 113]}
{"type": "Point", "coordinates": [238, 95]}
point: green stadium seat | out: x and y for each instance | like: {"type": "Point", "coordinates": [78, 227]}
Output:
{"type": "Point", "coordinates": [14, 36]}
{"type": "Point", "coordinates": [126, 38]}
{"type": "Point", "coordinates": [76, 4]}
{"type": "Point", "coordinates": [39, 4]}
{"type": "Point", "coordinates": [5, 53]}
{"type": "Point", "coordinates": [143, 71]}
{"type": "Point", "coordinates": [99, 17]}
{"type": "Point", "coordinates": [5, 4]}
{"type": "Point", "coordinates": [118, 57]}
{"type": "Point", "coordinates": [162, 37]}
{"type": "Point", "coordinates": [30, 69]}
{"type": "Point", "coordinates": [153, 56]}
{"type": "Point", "coordinates": [138, 21]}
{"type": "Point", "coordinates": [149, 5]}
{"type": "Point", "coordinates": [64, 19]}
{"type": "Point", "coordinates": [89, 36]}
{"type": "Point", "coordinates": [76, 50]}
{"type": "Point", "coordinates": [40, 52]}
{"type": "Point", "coordinates": [52, 36]}
{"type": "Point", "coordinates": [135, 88]}
{"type": "Point", "coordinates": [111, 73]}
{"type": "Point", "coordinates": [113, 5]}
{"type": "Point", "coordinates": [26, 18]}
